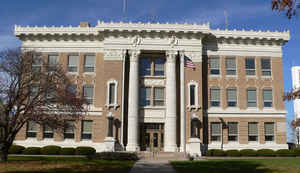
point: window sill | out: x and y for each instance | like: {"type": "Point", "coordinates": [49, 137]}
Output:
{"type": "Point", "coordinates": [253, 142]}
{"type": "Point", "coordinates": [89, 73]}
{"type": "Point", "coordinates": [195, 107]}
{"type": "Point", "coordinates": [114, 106]}
{"type": "Point", "coordinates": [231, 76]}
{"type": "Point", "coordinates": [153, 77]}
{"type": "Point", "coordinates": [152, 107]}
{"type": "Point", "coordinates": [72, 73]}
{"type": "Point", "coordinates": [214, 75]}
{"type": "Point", "coordinates": [251, 77]}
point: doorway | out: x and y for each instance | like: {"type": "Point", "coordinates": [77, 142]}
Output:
{"type": "Point", "coordinates": [152, 136]}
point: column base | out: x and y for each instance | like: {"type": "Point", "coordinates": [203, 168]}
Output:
{"type": "Point", "coordinates": [195, 147]}
{"type": "Point", "coordinates": [109, 143]}
{"type": "Point", "coordinates": [132, 147]}
{"type": "Point", "coordinates": [171, 148]}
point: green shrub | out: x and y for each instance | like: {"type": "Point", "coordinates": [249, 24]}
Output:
{"type": "Point", "coordinates": [233, 153]}
{"type": "Point", "coordinates": [296, 151]}
{"type": "Point", "coordinates": [16, 149]}
{"type": "Point", "coordinates": [85, 151]}
{"type": "Point", "coordinates": [265, 152]}
{"type": "Point", "coordinates": [248, 152]}
{"type": "Point", "coordinates": [215, 152]}
{"type": "Point", "coordinates": [50, 150]}
{"type": "Point", "coordinates": [67, 151]}
{"type": "Point", "coordinates": [284, 153]}
{"type": "Point", "coordinates": [32, 151]}
{"type": "Point", "coordinates": [121, 156]}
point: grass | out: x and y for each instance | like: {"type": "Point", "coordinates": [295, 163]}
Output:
{"type": "Point", "coordinates": [26, 164]}
{"type": "Point", "coordinates": [269, 165]}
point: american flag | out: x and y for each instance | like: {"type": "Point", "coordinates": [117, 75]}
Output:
{"type": "Point", "coordinates": [189, 63]}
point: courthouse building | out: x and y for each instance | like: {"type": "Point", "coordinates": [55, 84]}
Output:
{"type": "Point", "coordinates": [167, 87]}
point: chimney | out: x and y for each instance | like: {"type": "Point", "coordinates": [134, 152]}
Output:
{"type": "Point", "coordinates": [84, 24]}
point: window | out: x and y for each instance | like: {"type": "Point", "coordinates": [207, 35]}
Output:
{"type": "Point", "coordinates": [72, 63]}
{"type": "Point", "coordinates": [266, 67]}
{"type": "Point", "coordinates": [231, 97]}
{"type": "Point", "coordinates": [69, 129]}
{"type": "Point", "coordinates": [232, 131]}
{"type": "Point", "coordinates": [51, 95]}
{"type": "Point", "coordinates": [88, 93]}
{"type": "Point", "coordinates": [89, 63]}
{"type": "Point", "coordinates": [251, 97]}
{"type": "Point", "coordinates": [230, 66]}
{"type": "Point", "coordinates": [47, 132]}
{"type": "Point", "coordinates": [214, 65]}
{"type": "Point", "coordinates": [192, 95]}
{"type": "Point", "coordinates": [215, 131]}
{"type": "Point", "coordinates": [72, 89]}
{"type": "Point", "coordinates": [34, 91]}
{"type": "Point", "coordinates": [159, 67]}
{"type": "Point", "coordinates": [215, 97]}
{"type": "Point", "coordinates": [87, 127]}
{"type": "Point", "coordinates": [159, 97]}
{"type": "Point", "coordinates": [112, 87]}
{"type": "Point", "coordinates": [269, 131]}
{"type": "Point", "coordinates": [250, 66]}
{"type": "Point", "coordinates": [52, 62]}
{"type": "Point", "coordinates": [157, 64]}
{"type": "Point", "coordinates": [37, 64]}
{"type": "Point", "coordinates": [31, 130]}
{"type": "Point", "coordinates": [145, 96]}
{"type": "Point", "coordinates": [268, 98]}
{"type": "Point", "coordinates": [145, 67]}
{"type": "Point", "coordinates": [252, 132]}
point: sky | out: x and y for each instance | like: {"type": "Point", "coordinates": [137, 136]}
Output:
{"type": "Point", "coordinates": [246, 14]}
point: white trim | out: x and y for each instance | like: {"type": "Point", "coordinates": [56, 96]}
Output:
{"type": "Point", "coordinates": [115, 104]}
{"type": "Point", "coordinates": [196, 106]}
{"type": "Point", "coordinates": [255, 146]}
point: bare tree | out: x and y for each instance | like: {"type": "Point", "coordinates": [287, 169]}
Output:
{"type": "Point", "coordinates": [36, 94]}
{"type": "Point", "coordinates": [288, 6]}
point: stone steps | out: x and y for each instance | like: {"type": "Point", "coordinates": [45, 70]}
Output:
{"type": "Point", "coordinates": [162, 156]}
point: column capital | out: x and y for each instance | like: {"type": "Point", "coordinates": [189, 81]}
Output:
{"type": "Point", "coordinates": [171, 55]}
{"type": "Point", "coordinates": [134, 54]}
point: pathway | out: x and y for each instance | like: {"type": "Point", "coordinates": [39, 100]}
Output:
{"type": "Point", "coordinates": [152, 166]}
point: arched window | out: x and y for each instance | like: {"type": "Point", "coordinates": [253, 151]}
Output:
{"type": "Point", "coordinates": [112, 94]}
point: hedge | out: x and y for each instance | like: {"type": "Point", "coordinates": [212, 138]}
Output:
{"type": "Point", "coordinates": [67, 151]}
{"type": "Point", "coordinates": [233, 153]}
{"type": "Point", "coordinates": [296, 151]}
{"type": "Point", "coordinates": [215, 152]}
{"type": "Point", "coordinates": [121, 156]}
{"type": "Point", "coordinates": [284, 153]}
{"type": "Point", "coordinates": [16, 149]}
{"type": "Point", "coordinates": [265, 152]}
{"type": "Point", "coordinates": [85, 151]}
{"type": "Point", "coordinates": [248, 152]}
{"type": "Point", "coordinates": [32, 151]}
{"type": "Point", "coordinates": [50, 150]}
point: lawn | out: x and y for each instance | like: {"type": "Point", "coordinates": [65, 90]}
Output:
{"type": "Point", "coordinates": [255, 165]}
{"type": "Point", "coordinates": [24, 164]}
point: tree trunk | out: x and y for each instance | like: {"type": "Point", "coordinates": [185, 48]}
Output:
{"type": "Point", "coordinates": [3, 154]}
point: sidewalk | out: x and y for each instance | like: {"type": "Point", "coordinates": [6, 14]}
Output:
{"type": "Point", "coordinates": [152, 166]}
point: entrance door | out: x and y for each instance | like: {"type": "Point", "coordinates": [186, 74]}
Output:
{"type": "Point", "coordinates": [152, 137]}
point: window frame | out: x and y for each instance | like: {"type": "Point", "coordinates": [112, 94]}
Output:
{"type": "Point", "coordinates": [215, 137]}
{"type": "Point", "coordinates": [31, 133]}
{"type": "Point", "coordinates": [85, 67]}
{"type": "Point", "coordinates": [248, 70]}
{"type": "Point", "coordinates": [253, 135]}
{"type": "Point", "coordinates": [90, 100]}
{"type": "Point", "coordinates": [269, 135]}
{"type": "Point", "coordinates": [266, 70]}
{"type": "Point", "coordinates": [68, 135]}
{"type": "Point", "coordinates": [267, 101]}
{"type": "Point", "coordinates": [233, 135]}
{"type": "Point", "coordinates": [52, 67]}
{"type": "Point", "coordinates": [196, 105]}
{"type": "Point", "coordinates": [215, 101]}
{"type": "Point", "coordinates": [37, 66]}
{"type": "Point", "coordinates": [110, 103]}
{"type": "Point", "coordinates": [217, 70]}
{"type": "Point", "coordinates": [164, 97]}
{"type": "Point", "coordinates": [86, 135]}
{"type": "Point", "coordinates": [48, 134]}
{"type": "Point", "coordinates": [141, 99]}
{"type": "Point", "coordinates": [251, 101]}
{"type": "Point", "coordinates": [152, 64]}
{"type": "Point", "coordinates": [231, 69]}
{"type": "Point", "coordinates": [227, 98]}
{"type": "Point", "coordinates": [71, 66]}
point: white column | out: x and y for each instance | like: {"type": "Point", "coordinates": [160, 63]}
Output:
{"type": "Point", "coordinates": [170, 123]}
{"type": "Point", "coordinates": [133, 102]}
{"type": "Point", "coordinates": [182, 105]}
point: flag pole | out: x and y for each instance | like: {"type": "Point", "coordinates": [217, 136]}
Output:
{"type": "Point", "coordinates": [124, 9]}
